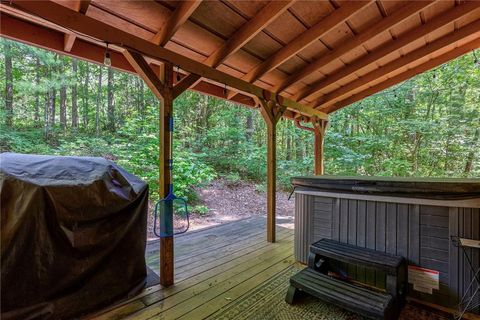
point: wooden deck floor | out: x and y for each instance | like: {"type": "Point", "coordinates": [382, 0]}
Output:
{"type": "Point", "coordinates": [213, 267]}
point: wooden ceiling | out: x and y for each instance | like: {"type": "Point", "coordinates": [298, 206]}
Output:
{"type": "Point", "coordinates": [317, 55]}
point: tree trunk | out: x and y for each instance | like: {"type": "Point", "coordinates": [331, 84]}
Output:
{"type": "Point", "coordinates": [53, 93]}
{"type": "Point", "coordinates": [53, 96]}
{"type": "Point", "coordinates": [63, 101]}
{"type": "Point", "coordinates": [46, 110]}
{"type": "Point", "coordinates": [249, 125]}
{"type": "Point", "coordinates": [141, 97]}
{"type": "Point", "coordinates": [36, 116]}
{"type": "Point", "coordinates": [471, 154]}
{"type": "Point", "coordinates": [141, 103]}
{"type": "Point", "coordinates": [298, 148]}
{"type": "Point", "coordinates": [99, 102]}
{"type": "Point", "coordinates": [110, 105]}
{"type": "Point", "coordinates": [288, 151]}
{"type": "Point", "coordinates": [8, 84]}
{"type": "Point", "coordinates": [74, 96]}
{"type": "Point", "coordinates": [126, 105]}
{"type": "Point", "coordinates": [85, 97]}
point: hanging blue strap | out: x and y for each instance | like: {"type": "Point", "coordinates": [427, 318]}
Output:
{"type": "Point", "coordinates": [164, 209]}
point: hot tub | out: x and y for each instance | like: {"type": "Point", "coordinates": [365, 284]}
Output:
{"type": "Point", "coordinates": [414, 218]}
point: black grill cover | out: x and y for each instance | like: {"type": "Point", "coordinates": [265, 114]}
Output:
{"type": "Point", "coordinates": [425, 188]}
{"type": "Point", "coordinates": [73, 235]}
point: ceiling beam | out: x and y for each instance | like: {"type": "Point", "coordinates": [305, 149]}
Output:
{"type": "Point", "coordinates": [450, 55]}
{"type": "Point", "coordinates": [90, 27]}
{"type": "Point", "coordinates": [305, 39]}
{"type": "Point", "coordinates": [69, 40]}
{"type": "Point", "coordinates": [397, 64]}
{"type": "Point", "coordinates": [383, 25]}
{"type": "Point", "coordinates": [448, 17]}
{"type": "Point", "coordinates": [180, 15]}
{"type": "Point", "coordinates": [246, 32]}
{"type": "Point", "coordinates": [83, 6]}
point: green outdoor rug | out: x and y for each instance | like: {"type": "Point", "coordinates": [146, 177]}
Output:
{"type": "Point", "coordinates": [267, 302]}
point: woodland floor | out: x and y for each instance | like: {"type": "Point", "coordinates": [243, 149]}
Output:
{"type": "Point", "coordinates": [228, 201]}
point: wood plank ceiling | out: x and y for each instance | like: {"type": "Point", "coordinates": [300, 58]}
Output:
{"type": "Point", "coordinates": [323, 54]}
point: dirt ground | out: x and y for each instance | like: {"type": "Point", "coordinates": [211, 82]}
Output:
{"type": "Point", "coordinates": [229, 201]}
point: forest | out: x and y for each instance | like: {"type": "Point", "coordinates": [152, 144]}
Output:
{"type": "Point", "coordinates": [428, 126]}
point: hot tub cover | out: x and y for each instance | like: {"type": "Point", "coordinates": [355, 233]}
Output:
{"type": "Point", "coordinates": [73, 235]}
{"type": "Point", "coordinates": [425, 188]}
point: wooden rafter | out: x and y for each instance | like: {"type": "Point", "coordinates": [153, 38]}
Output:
{"type": "Point", "coordinates": [83, 6]}
{"type": "Point", "coordinates": [305, 39]}
{"type": "Point", "coordinates": [69, 38]}
{"type": "Point", "coordinates": [383, 25]}
{"type": "Point", "coordinates": [472, 45]}
{"type": "Point", "coordinates": [419, 32]}
{"type": "Point", "coordinates": [184, 84]}
{"type": "Point", "coordinates": [144, 70]}
{"type": "Point", "coordinates": [436, 45]}
{"type": "Point", "coordinates": [80, 23]}
{"type": "Point", "coordinates": [249, 30]}
{"type": "Point", "coordinates": [179, 16]}
{"type": "Point", "coordinates": [246, 32]}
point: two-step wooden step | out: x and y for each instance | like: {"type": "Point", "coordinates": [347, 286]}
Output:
{"type": "Point", "coordinates": [369, 303]}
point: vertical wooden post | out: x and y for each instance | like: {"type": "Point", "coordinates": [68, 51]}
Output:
{"type": "Point", "coordinates": [319, 132]}
{"type": "Point", "coordinates": [165, 174]}
{"type": "Point", "coordinates": [271, 113]}
{"type": "Point", "coordinates": [160, 81]}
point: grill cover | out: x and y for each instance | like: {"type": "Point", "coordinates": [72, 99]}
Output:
{"type": "Point", "coordinates": [425, 188]}
{"type": "Point", "coordinates": [73, 235]}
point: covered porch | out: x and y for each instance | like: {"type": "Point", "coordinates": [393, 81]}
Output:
{"type": "Point", "coordinates": [297, 60]}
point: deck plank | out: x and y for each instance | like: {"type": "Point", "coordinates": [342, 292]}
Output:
{"type": "Point", "coordinates": [226, 259]}
{"type": "Point", "coordinates": [215, 235]}
{"type": "Point", "coordinates": [195, 296]}
{"type": "Point", "coordinates": [209, 306]}
{"type": "Point", "coordinates": [208, 246]}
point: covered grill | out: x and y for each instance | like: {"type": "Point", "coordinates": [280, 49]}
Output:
{"type": "Point", "coordinates": [73, 234]}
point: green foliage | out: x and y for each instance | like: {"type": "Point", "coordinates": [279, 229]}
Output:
{"type": "Point", "coordinates": [200, 210]}
{"type": "Point", "coordinates": [261, 187]}
{"type": "Point", "coordinates": [426, 126]}
{"type": "Point", "coordinates": [232, 178]}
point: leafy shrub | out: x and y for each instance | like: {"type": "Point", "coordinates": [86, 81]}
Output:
{"type": "Point", "coordinates": [200, 210]}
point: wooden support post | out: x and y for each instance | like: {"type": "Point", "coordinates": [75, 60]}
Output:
{"type": "Point", "coordinates": [165, 174]}
{"type": "Point", "coordinates": [161, 84]}
{"type": "Point", "coordinates": [319, 126]}
{"type": "Point", "coordinates": [271, 113]}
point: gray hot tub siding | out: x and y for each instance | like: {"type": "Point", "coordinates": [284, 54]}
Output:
{"type": "Point", "coordinates": [419, 232]}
